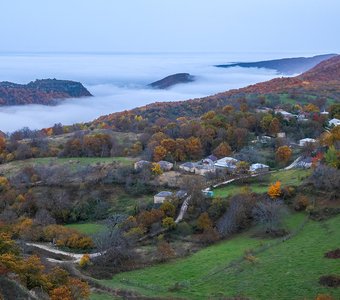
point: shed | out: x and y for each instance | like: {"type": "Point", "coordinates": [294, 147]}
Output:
{"type": "Point", "coordinates": [208, 193]}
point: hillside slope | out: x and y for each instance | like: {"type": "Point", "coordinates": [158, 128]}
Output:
{"type": "Point", "coordinates": [45, 91]}
{"type": "Point", "coordinates": [323, 81]}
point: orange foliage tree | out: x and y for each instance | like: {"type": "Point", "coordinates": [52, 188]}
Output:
{"type": "Point", "coordinates": [222, 150]}
{"type": "Point", "coordinates": [194, 147]}
{"type": "Point", "coordinates": [159, 153]}
{"type": "Point", "coordinates": [274, 190]}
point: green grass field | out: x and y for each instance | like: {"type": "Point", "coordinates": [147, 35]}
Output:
{"type": "Point", "coordinates": [101, 296]}
{"type": "Point", "coordinates": [288, 178]}
{"type": "Point", "coordinates": [87, 228]}
{"type": "Point", "coordinates": [285, 270]}
{"type": "Point", "coordinates": [73, 162]}
{"type": "Point", "coordinates": [125, 203]}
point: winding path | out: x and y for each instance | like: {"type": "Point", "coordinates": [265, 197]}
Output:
{"type": "Point", "coordinates": [75, 257]}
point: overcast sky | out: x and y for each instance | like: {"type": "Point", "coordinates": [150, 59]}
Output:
{"type": "Point", "coordinates": [299, 26]}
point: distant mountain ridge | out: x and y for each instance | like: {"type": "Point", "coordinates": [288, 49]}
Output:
{"type": "Point", "coordinates": [44, 91]}
{"type": "Point", "coordinates": [288, 66]}
{"type": "Point", "coordinates": [172, 80]}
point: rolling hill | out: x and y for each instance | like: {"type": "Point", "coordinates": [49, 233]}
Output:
{"type": "Point", "coordinates": [172, 80]}
{"type": "Point", "coordinates": [45, 91]}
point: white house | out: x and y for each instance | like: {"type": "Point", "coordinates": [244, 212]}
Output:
{"type": "Point", "coordinates": [162, 196]}
{"type": "Point", "coordinates": [286, 115]}
{"type": "Point", "coordinates": [257, 168]}
{"type": "Point", "coordinates": [305, 141]}
{"type": "Point", "coordinates": [227, 162]}
{"type": "Point", "coordinates": [334, 122]}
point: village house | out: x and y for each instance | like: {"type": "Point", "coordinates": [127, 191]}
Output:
{"type": "Point", "coordinates": [204, 167]}
{"type": "Point", "coordinates": [305, 141]}
{"type": "Point", "coordinates": [227, 162]}
{"type": "Point", "coordinates": [165, 165]}
{"type": "Point", "coordinates": [334, 122]}
{"type": "Point", "coordinates": [162, 196]}
{"type": "Point", "coordinates": [286, 115]}
{"type": "Point", "coordinates": [258, 168]}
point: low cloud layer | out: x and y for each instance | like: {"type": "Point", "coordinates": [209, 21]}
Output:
{"type": "Point", "coordinates": [117, 82]}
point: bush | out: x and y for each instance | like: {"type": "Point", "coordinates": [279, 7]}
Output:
{"type": "Point", "coordinates": [183, 229]}
{"type": "Point", "coordinates": [333, 254]}
{"type": "Point", "coordinates": [168, 223]}
{"type": "Point", "coordinates": [84, 261]}
{"type": "Point", "coordinates": [330, 280]}
{"type": "Point", "coordinates": [269, 214]}
{"type": "Point", "coordinates": [237, 217]}
{"type": "Point", "coordinates": [301, 203]}
{"type": "Point", "coordinates": [324, 297]}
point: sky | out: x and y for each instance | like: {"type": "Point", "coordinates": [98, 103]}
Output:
{"type": "Point", "coordinates": [294, 26]}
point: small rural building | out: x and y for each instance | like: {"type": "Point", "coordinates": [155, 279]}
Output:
{"type": "Point", "coordinates": [162, 196]}
{"type": "Point", "coordinates": [208, 193]}
{"type": "Point", "coordinates": [139, 165]}
{"type": "Point", "coordinates": [281, 135]}
{"type": "Point", "coordinates": [305, 141]}
{"type": "Point", "coordinates": [165, 165]}
{"type": "Point", "coordinates": [258, 168]}
{"type": "Point", "coordinates": [334, 122]}
{"type": "Point", "coordinates": [188, 167]}
{"type": "Point", "coordinates": [227, 162]}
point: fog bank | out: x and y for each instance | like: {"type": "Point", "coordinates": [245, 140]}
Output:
{"type": "Point", "coordinates": [118, 82]}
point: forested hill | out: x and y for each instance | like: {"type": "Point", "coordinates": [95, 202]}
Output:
{"type": "Point", "coordinates": [288, 66]}
{"type": "Point", "coordinates": [322, 82]}
{"type": "Point", "coordinates": [45, 91]}
{"type": "Point", "coordinates": [172, 80]}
